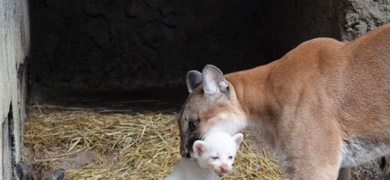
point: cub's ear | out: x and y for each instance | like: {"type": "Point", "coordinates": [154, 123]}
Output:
{"type": "Point", "coordinates": [21, 169]}
{"type": "Point", "coordinates": [193, 79]}
{"type": "Point", "coordinates": [238, 138]}
{"type": "Point", "coordinates": [199, 147]}
{"type": "Point", "coordinates": [213, 80]}
{"type": "Point", "coordinates": [59, 174]}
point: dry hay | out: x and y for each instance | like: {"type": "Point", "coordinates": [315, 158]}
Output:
{"type": "Point", "coordinates": [120, 146]}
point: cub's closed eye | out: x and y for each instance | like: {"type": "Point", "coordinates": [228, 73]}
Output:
{"type": "Point", "coordinates": [230, 157]}
{"type": "Point", "coordinates": [214, 157]}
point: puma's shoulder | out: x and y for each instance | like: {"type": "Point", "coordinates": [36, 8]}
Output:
{"type": "Point", "coordinates": [319, 45]}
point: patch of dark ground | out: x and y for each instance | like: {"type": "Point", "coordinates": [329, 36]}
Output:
{"type": "Point", "coordinates": [140, 100]}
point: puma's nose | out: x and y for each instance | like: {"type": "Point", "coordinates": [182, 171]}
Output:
{"type": "Point", "coordinates": [185, 153]}
{"type": "Point", "coordinates": [188, 155]}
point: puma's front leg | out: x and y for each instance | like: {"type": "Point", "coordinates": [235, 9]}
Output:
{"type": "Point", "coordinates": [310, 170]}
{"type": "Point", "coordinates": [310, 152]}
{"type": "Point", "coordinates": [312, 161]}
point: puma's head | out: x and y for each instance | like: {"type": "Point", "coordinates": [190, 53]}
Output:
{"type": "Point", "coordinates": [211, 106]}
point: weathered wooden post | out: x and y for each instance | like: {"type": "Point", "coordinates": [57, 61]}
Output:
{"type": "Point", "coordinates": [14, 47]}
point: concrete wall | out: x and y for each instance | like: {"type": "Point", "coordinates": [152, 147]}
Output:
{"type": "Point", "coordinates": [122, 44]}
{"type": "Point", "coordinates": [14, 45]}
{"type": "Point", "coordinates": [295, 21]}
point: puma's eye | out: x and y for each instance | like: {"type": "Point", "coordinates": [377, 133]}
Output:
{"type": "Point", "coordinates": [214, 157]}
{"type": "Point", "coordinates": [192, 126]}
{"type": "Point", "coordinates": [230, 157]}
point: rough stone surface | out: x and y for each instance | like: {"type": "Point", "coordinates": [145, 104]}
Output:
{"type": "Point", "coordinates": [362, 16]}
{"type": "Point", "coordinates": [14, 45]}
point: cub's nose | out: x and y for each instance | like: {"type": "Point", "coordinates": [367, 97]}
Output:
{"type": "Point", "coordinates": [224, 169]}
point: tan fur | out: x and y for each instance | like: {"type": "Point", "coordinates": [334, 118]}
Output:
{"type": "Point", "coordinates": [38, 171]}
{"type": "Point", "coordinates": [325, 105]}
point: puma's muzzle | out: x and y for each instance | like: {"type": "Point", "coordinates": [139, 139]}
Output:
{"type": "Point", "coordinates": [184, 151]}
{"type": "Point", "coordinates": [187, 143]}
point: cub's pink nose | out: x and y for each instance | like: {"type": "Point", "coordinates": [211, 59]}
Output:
{"type": "Point", "coordinates": [224, 169]}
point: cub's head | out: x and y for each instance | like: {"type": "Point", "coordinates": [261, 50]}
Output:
{"type": "Point", "coordinates": [211, 106]}
{"type": "Point", "coordinates": [217, 151]}
{"type": "Point", "coordinates": [38, 171]}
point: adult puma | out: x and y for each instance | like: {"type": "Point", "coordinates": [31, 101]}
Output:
{"type": "Point", "coordinates": [323, 107]}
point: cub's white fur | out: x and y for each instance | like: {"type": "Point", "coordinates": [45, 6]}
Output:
{"type": "Point", "coordinates": [214, 156]}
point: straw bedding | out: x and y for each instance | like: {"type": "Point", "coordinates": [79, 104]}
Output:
{"type": "Point", "coordinates": [96, 145]}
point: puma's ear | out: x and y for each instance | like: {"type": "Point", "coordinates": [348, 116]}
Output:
{"type": "Point", "coordinates": [213, 80]}
{"type": "Point", "coordinates": [21, 169]}
{"type": "Point", "coordinates": [238, 138]}
{"type": "Point", "coordinates": [193, 79]}
{"type": "Point", "coordinates": [59, 174]}
{"type": "Point", "coordinates": [199, 147]}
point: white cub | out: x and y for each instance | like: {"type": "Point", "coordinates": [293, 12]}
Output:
{"type": "Point", "coordinates": [214, 156]}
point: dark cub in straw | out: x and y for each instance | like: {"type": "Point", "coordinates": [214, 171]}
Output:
{"type": "Point", "coordinates": [38, 171]}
